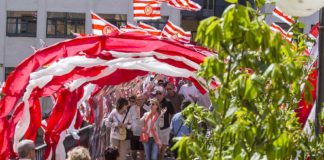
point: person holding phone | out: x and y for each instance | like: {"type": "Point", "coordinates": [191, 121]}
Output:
{"type": "Point", "coordinates": [151, 125]}
{"type": "Point", "coordinates": [164, 131]}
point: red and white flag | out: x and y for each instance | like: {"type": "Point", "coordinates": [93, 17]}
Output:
{"type": "Point", "coordinates": [80, 34]}
{"type": "Point", "coordinates": [102, 27]}
{"type": "Point", "coordinates": [147, 9]}
{"type": "Point", "coordinates": [176, 33]}
{"type": "Point", "coordinates": [146, 26]}
{"type": "Point", "coordinates": [203, 50]}
{"type": "Point", "coordinates": [132, 28]}
{"type": "Point", "coordinates": [306, 111]}
{"type": "Point", "coordinates": [182, 4]}
{"type": "Point", "coordinates": [150, 29]}
{"type": "Point", "coordinates": [314, 31]}
{"type": "Point", "coordinates": [274, 27]}
{"type": "Point", "coordinates": [278, 13]}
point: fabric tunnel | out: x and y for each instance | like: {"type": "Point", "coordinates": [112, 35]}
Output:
{"type": "Point", "coordinates": [75, 70]}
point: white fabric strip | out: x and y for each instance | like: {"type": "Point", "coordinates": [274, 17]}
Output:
{"type": "Point", "coordinates": [144, 64]}
{"type": "Point", "coordinates": [311, 117]}
{"type": "Point", "coordinates": [98, 22]}
{"type": "Point", "coordinates": [97, 31]}
{"type": "Point", "coordinates": [66, 65]}
{"type": "Point", "coordinates": [158, 55]}
{"type": "Point", "coordinates": [155, 11]}
{"type": "Point", "coordinates": [147, 18]}
{"type": "Point", "coordinates": [156, 5]}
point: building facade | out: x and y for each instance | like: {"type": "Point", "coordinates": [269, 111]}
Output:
{"type": "Point", "coordinates": [24, 23]}
{"type": "Point", "coordinates": [190, 20]}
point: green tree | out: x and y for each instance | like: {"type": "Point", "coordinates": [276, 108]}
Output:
{"type": "Point", "coordinates": [261, 76]}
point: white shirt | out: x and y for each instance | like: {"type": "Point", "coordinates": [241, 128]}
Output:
{"type": "Point", "coordinates": [204, 100]}
{"type": "Point", "coordinates": [134, 113]}
{"type": "Point", "coordinates": [114, 119]}
{"type": "Point", "coordinates": [186, 90]}
{"type": "Point", "coordinates": [146, 107]}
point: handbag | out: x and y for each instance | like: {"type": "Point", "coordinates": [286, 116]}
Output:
{"type": "Point", "coordinates": [122, 133]}
{"type": "Point", "coordinates": [127, 133]}
{"type": "Point", "coordinates": [144, 137]}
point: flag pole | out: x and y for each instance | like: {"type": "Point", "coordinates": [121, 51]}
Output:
{"type": "Point", "coordinates": [320, 84]}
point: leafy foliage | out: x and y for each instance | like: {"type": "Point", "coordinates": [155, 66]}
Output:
{"type": "Point", "coordinates": [261, 77]}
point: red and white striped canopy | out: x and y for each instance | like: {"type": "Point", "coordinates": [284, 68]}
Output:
{"type": "Point", "coordinates": [68, 66]}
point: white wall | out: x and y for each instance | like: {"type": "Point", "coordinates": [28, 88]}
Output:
{"type": "Point", "coordinates": [17, 49]}
{"type": "Point", "coordinates": [21, 5]}
{"type": "Point", "coordinates": [13, 50]}
{"type": "Point", "coordinates": [3, 15]}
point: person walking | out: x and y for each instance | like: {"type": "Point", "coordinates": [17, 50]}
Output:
{"type": "Point", "coordinates": [164, 131]}
{"type": "Point", "coordinates": [174, 97]}
{"type": "Point", "coordinates": [149, 136]}
{"type": "Point", "coordinates": [189, 91]}
{"type": "Point", "coordinates": [178, 128]}
{"type": "Point", "coordinates": [119, 121]}
{"type": "Point", "coordinates": [136, 112]}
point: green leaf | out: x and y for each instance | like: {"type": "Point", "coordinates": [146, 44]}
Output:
{"type": "Point", "coordinates": [237, 151]}
{"type": "Point", "coordinates": [251, 40]}
{"type": "Point", "coordinates": [260, 3]}
{"type": "Point", "coordinates": [231, 1]}
{"type": "Point", "coordinates": [308, 92]}
{"type": "Point", "coordinates": [212, 26]}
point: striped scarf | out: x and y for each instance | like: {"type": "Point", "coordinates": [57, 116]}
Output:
{"type": "Point", "coordinates": [152, 129]}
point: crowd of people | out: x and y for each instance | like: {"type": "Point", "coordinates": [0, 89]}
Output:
{"type": "Point", "coordinates": [140, 125]}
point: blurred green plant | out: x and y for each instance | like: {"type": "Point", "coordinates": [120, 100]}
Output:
{"type": "Point", "coordinates": [261, 78]}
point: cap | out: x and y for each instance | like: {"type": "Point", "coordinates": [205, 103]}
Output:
{"type": "Point", "coordinates": [157, 89]}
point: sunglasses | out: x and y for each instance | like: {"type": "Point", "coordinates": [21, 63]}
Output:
{"type": "Point", "coordinates": [158, 93]}
{"type": "Point", "coordinates": [151, 104]}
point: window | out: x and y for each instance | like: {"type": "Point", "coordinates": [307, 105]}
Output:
{"type": "Point", "coordinates": [193, 35]}
{"type": "Point", "coordinates": [63, 25]}
{"type": "Point", "coordinates": [208, 4]}
{"type": "Point", "coordinates": [8, 70]}
{"type": "Point", "coordinates": [158, 24]}
{"type": "Point", "coordinates": [115, 19]}
{"type": "Point", "coordinates": [190, 24]}
{"type": "Point", "coordinates": [21, 24]}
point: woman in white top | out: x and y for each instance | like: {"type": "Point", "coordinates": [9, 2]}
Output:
{"type": "Point", "coordinates": [118, 121]}
{"type": "Point", "coordinates": [150, 129]}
